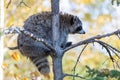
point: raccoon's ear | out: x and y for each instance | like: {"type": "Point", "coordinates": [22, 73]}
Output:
{"type": "Point", "coordinates": [72, 20]}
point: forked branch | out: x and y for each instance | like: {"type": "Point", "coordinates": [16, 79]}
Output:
{"type": "Point", "coordinates": [92, 39]}
{"type": "Point", "coordinates": [22, 2]}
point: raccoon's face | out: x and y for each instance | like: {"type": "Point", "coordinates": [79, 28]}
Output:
{"type": "Point", "coordinates": [76, 25]}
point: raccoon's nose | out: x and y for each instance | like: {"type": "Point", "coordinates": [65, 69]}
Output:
{"type": "Point", "coordinates": [82, 32]}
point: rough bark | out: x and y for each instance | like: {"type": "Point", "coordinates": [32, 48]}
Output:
{"type": "Point", "coordinates": [57, 58]}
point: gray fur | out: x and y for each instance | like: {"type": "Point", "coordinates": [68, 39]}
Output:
{"type": "Point", "coordinates": [40, 25]}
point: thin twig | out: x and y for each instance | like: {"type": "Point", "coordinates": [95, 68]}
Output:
{"type": "Point", "coordinates": [114, 52]}
{"type": "Point", "coordinates": [105, 61]}
{"type": "Point", "coordinates": [74, 69]}
{"type": "Point", "coordinates": [22, 2]}
{"type": "Point", "coordinates": [72, 75]}
{"type": "Point", "coordinates": [117, 64]}
{"type": "Point", "coordinates": [108, 52]}
{"type": "Point", "coordinates": [110, 47]}
{"type": "Point", "coordinates": [8, 3]}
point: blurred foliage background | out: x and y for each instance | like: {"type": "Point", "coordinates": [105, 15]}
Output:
{"type": "Point", "coordinates": [98, 17]}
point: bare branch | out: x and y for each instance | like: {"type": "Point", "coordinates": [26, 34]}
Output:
{"type": "Point", "coordinates": [72, 75]}
{"type": "Point", "coordinates": [109, 47]}
{"type": "Point", "coordinates": [114, 52]}
{"type": "Point", "coordinates": [74, 69]}
{"type": "Point", "coordinates": [117, 64]}
{"type": "Point", "coordinates": [8, 3]}
{"type": "Point", "coordinates": [22, 31]}
{"type": "Point", "coordinates": [90, 40]}
{"type": "Point", "coordinates": [12, 30]}
{"type": "Point", "coordinates": [118, 35]}
{"type": "Point", "coordinates": [22, 2]}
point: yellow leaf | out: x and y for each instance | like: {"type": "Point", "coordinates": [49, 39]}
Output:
{"type": "Point", "coordinates": [4, 65]}
{"type": "Point", "coordinates": [16, 66]}
{"type": "Point", "coordinates": [87, 16]}
{"type": "Point", "coordinates": [16, 75]}
{"type": "Point", "coordinates": [15, 56]}
{"type": "Point", "coordinates": [24, 78]}
{"type": "Point", "coordinates": [35, 73]}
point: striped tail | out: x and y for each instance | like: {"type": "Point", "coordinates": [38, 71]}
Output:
{"type": "Point", "coordinates": [42, 64]}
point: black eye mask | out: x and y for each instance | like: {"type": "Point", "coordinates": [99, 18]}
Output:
{"type": "Point", "coordinates": [78, 29]}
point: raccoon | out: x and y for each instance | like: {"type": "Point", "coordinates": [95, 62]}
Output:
{"type": "Point", "coordinates": [40, 24]}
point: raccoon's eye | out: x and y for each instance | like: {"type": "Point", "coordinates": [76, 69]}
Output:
{"type": "Point", "coordinates": [78, 29]}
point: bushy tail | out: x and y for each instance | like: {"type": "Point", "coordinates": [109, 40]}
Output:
{"type": "Point", "coordinates": [42, 64]}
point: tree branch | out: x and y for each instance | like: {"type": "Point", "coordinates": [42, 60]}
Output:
{"type": "Point", "coordinates": [22, 2]}
{"type": "Point", "coordinates": [109, 47]}
{"type": "Point", "coordinates": [90, 40]}
{"type": "Point", "coordinates": [74, 69]}
{"type": "Point", "coordinates": [22, 31]}
{"type": "Point", "coordinates": [72, 75]}
{"type": "Point", "coordinates": [8, 3]}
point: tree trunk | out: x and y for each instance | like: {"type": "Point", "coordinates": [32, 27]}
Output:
{"type": "Point", "coordinates": [57, 57]}
{"type": "Point", "coordinates": [57, 67]}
